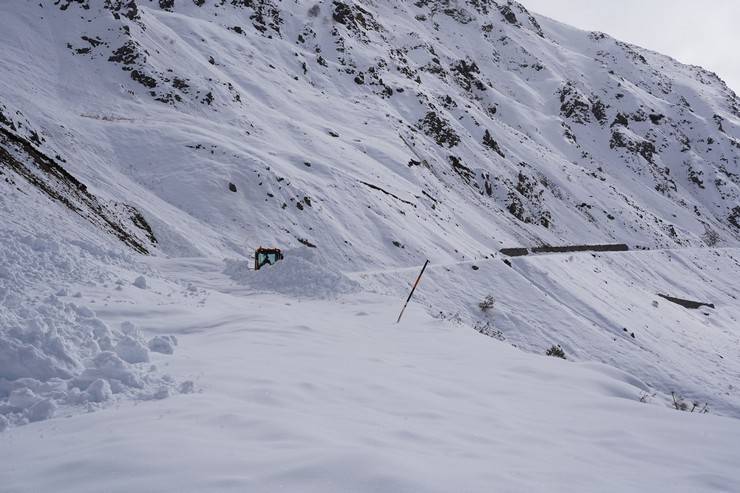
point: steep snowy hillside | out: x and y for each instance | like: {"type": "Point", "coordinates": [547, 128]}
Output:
{"type": "Point", "coordinates": [379, 132]}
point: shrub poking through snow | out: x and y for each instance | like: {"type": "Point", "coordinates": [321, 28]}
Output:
{"type": "Point", "coordinates": [487, 303]}
{"type": "Point", "coordinates": [487, 329]}
{"type": "Point", "coordinates": [680, 404]}
{"type": "Point", "coordinates": [710, 237]}
{"type": "Point", "coordinates": [556, 351]}
{"type": "Point", "coordinates": [646, 396]}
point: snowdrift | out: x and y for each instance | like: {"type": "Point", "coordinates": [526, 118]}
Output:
{"type": "Point", "coordinates": [55, 353]}
{"type": "Point", "coordinates": [303, 273]}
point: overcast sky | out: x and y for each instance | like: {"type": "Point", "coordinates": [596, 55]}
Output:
{"type": "Point", "coordinates": [698, 32]}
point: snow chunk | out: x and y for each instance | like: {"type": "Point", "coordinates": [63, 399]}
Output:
{"type": "Point", "coordinates": [110, 366]}
{"type": "Point", "coordinates": [18, 360]}
{"type": "Point", "coordinates": [140, 282]}
{"type": "Point", "coordinates": [187, 387]}
{"type": "Point", "coordinates": [22, 398]}
{"type": "Point", "coordinates": [42, 410]}
{"type": "Point", "coordinates": [54, 351]}
{"type": "Point", "coordinates": [99, 391]}
{"type": "Point", "coordinates": [161, 344]}
{"type": "Point", "coordinates": [131, 350]}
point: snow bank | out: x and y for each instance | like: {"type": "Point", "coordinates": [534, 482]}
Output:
{"type": "Point", "coordinates": [56, 352]}
{"type": "Point", "coordinates": [303, 273]}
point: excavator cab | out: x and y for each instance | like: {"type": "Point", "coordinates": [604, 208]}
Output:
{"type": "Point", "coordinates": [266, 256]}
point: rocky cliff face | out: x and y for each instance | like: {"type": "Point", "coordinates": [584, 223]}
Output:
{"type": "Point", "coordinates": [376, 131]}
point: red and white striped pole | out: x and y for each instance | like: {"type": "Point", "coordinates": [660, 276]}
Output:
{"type": "Point", "coordinates": [412, 291]}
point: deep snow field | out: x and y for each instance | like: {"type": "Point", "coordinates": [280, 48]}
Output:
{"type": "Point", "coordinates": [329, 394]}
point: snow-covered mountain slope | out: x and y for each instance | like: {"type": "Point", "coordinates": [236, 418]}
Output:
{"type": "Point", "coordinates": [603, 307]}
{"type": "Point", "coordinates": [450, 128]}
{"type": "Point", "coordinates": [146, 147]}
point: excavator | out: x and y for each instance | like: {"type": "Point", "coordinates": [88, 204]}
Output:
{"type": "Point", "coordinates": [266, 256]}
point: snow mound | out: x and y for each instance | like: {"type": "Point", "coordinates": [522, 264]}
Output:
{"type": "Point", "coordinates": [303, 273]}
{"type": "Point", "coordinates": [56, 354]}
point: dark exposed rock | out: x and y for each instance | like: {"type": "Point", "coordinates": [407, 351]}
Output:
{"type": "Point", "coordinates": [459, 14]}
{"type": "Point", "coordinates": [386, 192]}
{"type": "Point", "coordinates": [466, 75]}
{"type": "Point", "coordinates": [305, 242]}
{"type": "Point", "coordinates": [51, 179]}
{"type": "Point", "coordinates": [489, 142]}
{"type": "Point", "coordinates": [573, 105]}
{"type": "Point", "coordinates": [598, 109]}
{"type": "Point", "coordinates": [644, 148]}
{"type": "Point", "coordinates": [128, 54]}
{"type": "Point", "coordinates": [693, 305]}
{"type": "Point", "coordinates": [525, 202]}
{"type": "Point", "coordinates": [137, 219]}
{"type": "Point", "coordinates": [694, 177]}
{"type": "Point", "coordinates": [621, 119]}
{"type": "Point", "coordinates": [508, 14]}
{"type": "Point", "coordinates": [356, 19]}
{"type": "Point", "coordinates": [123, 8]}
{"type": "Point", "coordinates": [734, 217]}
{"type": "Point", "coordinates": [439, 129]}
{"type": "Point", "coordinates": [462, 170]}
{"type": "Point", "coordinates": [143, 79]}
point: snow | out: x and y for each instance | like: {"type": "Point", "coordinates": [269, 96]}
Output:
{"type": "Point", "coordinates": [591, 304]}
{"type": "Point", "coordinates": [99, 391]}
{"type": "Point", "coordinates": [140, 282]}
{"type": "Point", "coordinates": [160, 344]}
{"type": "Point", "coordinates": [319, 390]}
{"type": "Point", "coordinates": [332, 395]}
{"type": "Point", "coordinates": [56, 354]}
{"type": "Point", "coordinates": [186, 370]}
{"type": "Point", "coordinates": [304, 273]}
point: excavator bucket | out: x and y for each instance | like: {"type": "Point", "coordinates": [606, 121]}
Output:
{"type": "Point", "coordinates": [266, 256]}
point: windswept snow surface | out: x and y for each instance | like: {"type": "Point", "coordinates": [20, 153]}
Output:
{"type": "Point", "coordinates": [332, 395]}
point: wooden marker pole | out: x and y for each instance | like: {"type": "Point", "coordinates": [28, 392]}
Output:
{"type": "Point", "coordinates": [412, 291]}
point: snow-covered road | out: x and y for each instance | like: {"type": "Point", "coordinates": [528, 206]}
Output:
{"type": "Point", "coordinates": [331, 395]}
